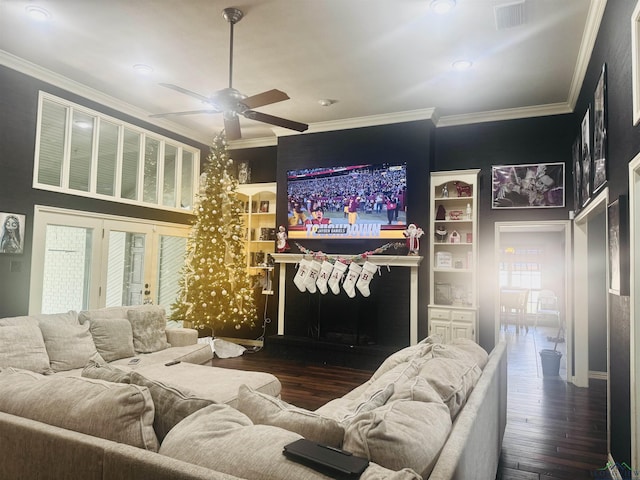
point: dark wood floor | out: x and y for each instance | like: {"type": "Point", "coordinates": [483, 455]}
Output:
{"type": "Point", "coordinates": [554, 430]}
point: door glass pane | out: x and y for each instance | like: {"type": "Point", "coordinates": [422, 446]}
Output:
{"type": "Point", "coordinates": [51, 153]}
{"type": "Point", "coordinates": [130, 158]}
{"type": "Point", "coordinates": [81, 150]}
{"type": "Point", "coordinates": [67, 268]}
{"type": "Point", "coordinates": [151, 153]}
{"type": "Point", "coordinates": [107, 159]}
{"type": "Point", "coordinates": [125, 269]}
{"type": "Point", "coordinates": [186, 197]}
{"type": "Point", "coordinates": [170, 261]}
{"type": "Point", "coordinates": [169, 184]}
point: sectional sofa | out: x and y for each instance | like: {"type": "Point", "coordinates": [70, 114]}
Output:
{"type": "Point", "coordinates": [429, 411]}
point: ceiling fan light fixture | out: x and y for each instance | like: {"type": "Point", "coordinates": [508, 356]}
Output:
{"type": "Point", "coordinates": [38, 13]}
{"type": "Point", "coordinates": [442, 6]}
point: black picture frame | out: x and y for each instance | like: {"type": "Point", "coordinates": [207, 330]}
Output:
{"type": "Point", "coordinates": [600, 132]}
{"type": "Point", "coordinates": [585, 155]}
{"type": "Point", "coordinates": [577, 174]}
{"type": "Point", "coordinates": [535, 185]}
{"type": "Point", "coordinates": [618, 239]}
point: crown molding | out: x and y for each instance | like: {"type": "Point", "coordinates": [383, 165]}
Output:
{"type": "Point", "coordinates": [594, 18]}
{"type": "Point", "coordinates": [507, 114]}
{"type": "Point", "coordinates": [252, 142]}
{"type": "Point", "coordinates": [23, 66]}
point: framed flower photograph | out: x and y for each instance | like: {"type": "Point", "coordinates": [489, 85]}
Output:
{"type": "Point", "coordinates": [12, 233]}
{"type": "Point", "coordinates": [539, 185]}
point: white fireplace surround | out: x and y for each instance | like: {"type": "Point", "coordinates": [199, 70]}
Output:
{"type": "Point", "coordinates": [410, 261]}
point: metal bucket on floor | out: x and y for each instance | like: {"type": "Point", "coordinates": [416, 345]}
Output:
{"type": "Point", "coordinates": [550, 362]}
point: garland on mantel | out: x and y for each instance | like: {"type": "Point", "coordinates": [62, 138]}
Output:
{"type": "Point", "coordinates": [324, 256]}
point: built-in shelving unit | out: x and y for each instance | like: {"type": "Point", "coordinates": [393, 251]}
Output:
{"type": "Point", "coordinates": [453, 282]}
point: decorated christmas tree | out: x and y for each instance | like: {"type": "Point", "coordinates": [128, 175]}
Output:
{"type": "Point", "coordinates": [215, 288]}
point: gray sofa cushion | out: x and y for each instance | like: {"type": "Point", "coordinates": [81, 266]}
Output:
{"type": "Point", "coordinates": [22, 345]}
{"type": "Point", "coordinates": [172, 403]}
{"type": "Point", "coordinates": [264, 409]}
{"type": "Point", "coordinates": [105, 372]}
{"type": "Point", "coordinates": [69, 344]}
{"type": "Point", "coordinates": [113, 338]}
{"type": "Point", "coordinates": [401, 434]}
{"type": "Point", "coordinates": [223, 439]}
{"type": "Point", "coordinates": [115, 411]}
{"type": "Point", "coordinates": [148, 324]}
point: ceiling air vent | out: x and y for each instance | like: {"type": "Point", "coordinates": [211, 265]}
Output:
{"type": "Point", "coordinates": [509, 15]}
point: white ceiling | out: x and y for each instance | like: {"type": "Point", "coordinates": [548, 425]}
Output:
{"type": "Point", "coordinates": [379, 60]}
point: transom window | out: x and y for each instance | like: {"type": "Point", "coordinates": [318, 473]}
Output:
{"type": "Point", "coordinates": [84, 152]}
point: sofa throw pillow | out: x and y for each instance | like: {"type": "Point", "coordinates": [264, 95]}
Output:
{"type": "Point", "coordinates": [420, 350]}
{"type": "Point", "coordinates": [401, 434]}
{"type": "Point", "coordinates": [69, 345]}
{"type": "Point", "coordinates": [148, 324]}
{"type": "Point", "coordinates": [467, 345]}
{"type": "Point", "coordinates": [113, 338]}
{"type": "Point", "coordinates": [344, 410]}
{"type": "Point", "coordinates": [115, 411]}
{"type": "Point", "coordinates": [104, 371]}
{"type": "Point", "coordinates": [264, 409]}
{"type": "Point", "coordinates": [172, 403]}
{"type": "Point", "coordinates": [22, 346]}
{"type": "Point", "coordinates": [234, 439]}
{"type": "Point", "coordinates": [107, 313]}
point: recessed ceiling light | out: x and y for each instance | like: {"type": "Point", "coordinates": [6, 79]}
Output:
{"type": "Point", "coordinates": [326, 102]}
{"type": "Point", "coordinates": [38, 13]}
{"type": "Point", "coordinates": [442, 6]}
{"type": "Point", "coordinates": [143, 68]}
{"type": "Point", "coordinates": [462, 65]}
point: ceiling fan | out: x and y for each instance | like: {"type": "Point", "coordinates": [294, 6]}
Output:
{"type": "Point", "coordinates": [230, 102]}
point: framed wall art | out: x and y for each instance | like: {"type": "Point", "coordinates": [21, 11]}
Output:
{"type": "Point", "coordinates": [600, 132]}
{"type": "Point", "coordinates": [538, 185]}
{"type": "Point", "coordinates": [577, 174]}
{"type": "Point", "coordinates": [12, 233]}
{"type": "Point", "coordinates": [618, 232]}
{"type": "Point", "coordinates": [585, 155]}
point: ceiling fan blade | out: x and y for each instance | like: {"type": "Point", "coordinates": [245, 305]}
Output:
{"type": "Point", "coordinates": [232, 127]}
{"type": "Point", "coordinates": [202, 98]}
{"type": "Point", "coordinates": [175, 114]}
{"type": "Point", "coordinates": [280, 122]}
{"type": "Point", "coordinates": [264, 98]}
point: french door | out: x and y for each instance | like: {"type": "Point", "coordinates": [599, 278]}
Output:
{"type": "Point", "coordinates": [83, 260]}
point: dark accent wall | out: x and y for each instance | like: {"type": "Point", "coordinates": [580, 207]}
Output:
{"type": "Point", "coordinates": [19, 106]}
{"type": "Point", "coordinates": [525, 141]}
{"type": "Point", "coordinates": [386, 312]}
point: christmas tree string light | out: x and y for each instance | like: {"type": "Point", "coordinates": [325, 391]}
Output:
{"type": "Point", "coordinates": [215, 288]}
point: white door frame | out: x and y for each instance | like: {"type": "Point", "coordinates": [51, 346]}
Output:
{"type": "Point", "coordinates": [581, 286]}
{"type": "Point", "coordinates": [634, 302]}
{"type": "Point", "coordinates": [563, 226]}
{"type": "Point", "coordinates": [102, 224]}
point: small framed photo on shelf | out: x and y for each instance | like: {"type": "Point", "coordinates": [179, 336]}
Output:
{"type": "Point", "coordinates": [444, 260]}
{"type": "Point", "coordinates": [264, 206]}
{"type": "Point", "coordinates": [442, 293]}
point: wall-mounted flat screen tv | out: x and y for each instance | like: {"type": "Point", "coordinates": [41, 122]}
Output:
{"type": "Point", "coordinates": [349, 202]}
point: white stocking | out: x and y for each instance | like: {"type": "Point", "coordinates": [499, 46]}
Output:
{"type": "Point", "coordinates": [368, 271]}
{"type": "Point", "coordinates": [336, 275]}
{"type": "Point", "coordinates": [323, 276]}
{"type": "Point", "coordinates": [301, 276]}
{"type": "Point", "coordinates": [349, 284]}
{"type": "Point", "coordinates": [312, 276]}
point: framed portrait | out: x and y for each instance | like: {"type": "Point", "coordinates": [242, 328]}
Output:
{"type": "Point", "coordinates": [585, 155]}
{"type": "Point", "coordinates": [539, 185]}
{"type": "Point", "coordinates": [577, 174]}
{"type": "Point", "coordinates": [600, 132]}
{"type": "Point", "coordinates": [264, 206]}
{"type": "Point", "coordinates": [442, 293]}
{"type": "Point", "coordinates": [618, 235]}
{"type": "Point", "coordinates": [12, 233]}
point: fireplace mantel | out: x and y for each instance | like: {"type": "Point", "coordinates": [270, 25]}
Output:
{"type": "Point", "coordinates": [410, 261]}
